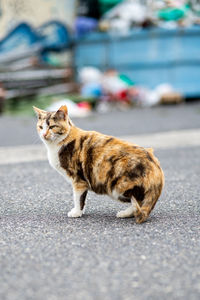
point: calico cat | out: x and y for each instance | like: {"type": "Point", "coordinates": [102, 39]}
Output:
{"type": "Point", "coordinates": [101, 163]}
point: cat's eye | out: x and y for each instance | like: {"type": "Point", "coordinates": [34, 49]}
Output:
{"type": "Point", "coordinates": [40, 127]}
{"type": "Point", "coordinates": [53, 126]}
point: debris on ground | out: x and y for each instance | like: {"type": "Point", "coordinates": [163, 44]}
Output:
{"type": "Point", "coordinates": [162, 94]}
{"type": "Point", "coordinates": [112, 89]}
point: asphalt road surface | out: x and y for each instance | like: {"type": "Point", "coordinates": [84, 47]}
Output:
{"type": "Point", "coordinates": [46, 255]}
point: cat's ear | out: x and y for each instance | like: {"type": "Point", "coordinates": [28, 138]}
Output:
{"type": "Point", "coordinates": [62, 112]}
{"type": "Point", "coordinates": [39, 112]}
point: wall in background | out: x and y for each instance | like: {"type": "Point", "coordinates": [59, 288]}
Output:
{"type": "Point", "coordinates": [35, 12]}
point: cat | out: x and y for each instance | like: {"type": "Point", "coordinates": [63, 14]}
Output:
{"type": "Point", "coordinates": [103, 164]}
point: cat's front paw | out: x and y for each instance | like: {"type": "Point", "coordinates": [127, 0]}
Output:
{"type": "Point", "coordinates": [75, 213]}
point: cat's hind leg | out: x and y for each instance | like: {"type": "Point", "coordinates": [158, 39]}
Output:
{"type": "Point", "coordinates": [126, 213]}
{"type": "Point", "coordinates": [79, 202]}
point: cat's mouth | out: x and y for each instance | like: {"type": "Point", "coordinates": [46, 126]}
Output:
{"type": "Point", "coordinates": [49, 138]}
{"type": "Point", "coordinates": [46, 138]}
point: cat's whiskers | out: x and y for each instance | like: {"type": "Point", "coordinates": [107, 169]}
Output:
{"type": "Point", "coordinates": [35, 140]}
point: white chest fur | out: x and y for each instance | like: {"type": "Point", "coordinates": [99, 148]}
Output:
{"type": "Point", "coordinates": [53, 157]}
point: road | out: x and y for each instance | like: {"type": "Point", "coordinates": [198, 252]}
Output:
{"type": "Point", "coordinates": [46, 255]}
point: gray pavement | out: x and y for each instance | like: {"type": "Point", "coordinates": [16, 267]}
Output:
{"type": "Point", "coordinates": [46, 255]}
{"type": "Point", "coordinates": [21, 131]}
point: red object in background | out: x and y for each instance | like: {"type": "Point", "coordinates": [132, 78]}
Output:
{"type": "Point", "coordinates": [84, 105]}
{"type": "Point", "coordinates": [123, 96]}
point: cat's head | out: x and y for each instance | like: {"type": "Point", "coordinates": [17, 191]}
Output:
{"type": "Point", "coordinates": [53, 126]}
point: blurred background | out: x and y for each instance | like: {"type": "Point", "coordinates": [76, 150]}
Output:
{"type": "Point", "coordinates": [98, 55]}
{"type": "Point", "coordinates": [125, 68]}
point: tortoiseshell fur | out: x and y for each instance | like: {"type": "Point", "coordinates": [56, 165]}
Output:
{"type": "Point", "coordinates": [101, 163]}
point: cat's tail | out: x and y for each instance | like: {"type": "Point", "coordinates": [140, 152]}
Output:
{"type": "Point", "coordinates": [141, 212]}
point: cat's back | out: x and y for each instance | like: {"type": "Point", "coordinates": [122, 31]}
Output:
{"type": "Point", "coordinates": [100, 145]}
{"type": "Point", "coordinates": [91, 147]}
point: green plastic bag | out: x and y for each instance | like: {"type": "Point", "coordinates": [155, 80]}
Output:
{"type": "Point", "coordinates": [173, 14]}
{"type": "Point", "coordinates": [106, 5]}
{"type": "Point", "coordinates": [126, 79]}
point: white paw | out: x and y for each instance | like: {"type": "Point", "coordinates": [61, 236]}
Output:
{"type": "Point", "coordinates": [74, 213]}
{"type": "Point", "coordinates": [134, 207]}
{"type": "Point", "coordinates": [121, 214]}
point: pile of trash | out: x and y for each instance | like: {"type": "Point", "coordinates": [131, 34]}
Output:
{"type": "Point", "coordinates": [112, 89]}
{"type": "Point", "coordinates": [136, 13]}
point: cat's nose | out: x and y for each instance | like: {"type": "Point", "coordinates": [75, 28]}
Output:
{"type": "Point", "coordinates": [45, 134]}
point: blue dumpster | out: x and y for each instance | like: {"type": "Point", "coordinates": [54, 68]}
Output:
{"type": "Point", "coordinates": [149, 57]}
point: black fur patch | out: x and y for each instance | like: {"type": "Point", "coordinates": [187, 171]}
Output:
{"type": "Point", "coordinates": [140, 169]}
{"type": "Point", "coordinates": [137, 191]}
{"type": "Point", "coordinates": [80, 173]}
{"type": "Point", "coordinates": [100, 189]}
{"type": "Point", "coordinates": [83, 138]}
{"type": "Point", "coordinates": [82, 200]}
{"type": "Point", "coordinates": [128, 193]}
{"type": "Point", "coordinates": [65, 154]}
{"type": "Point", "coordinates": [110, 174]}
{"type": "Point", "coordinates": [113, 183]}
{"type": "Point", "coordinates": [136, 172]}
{"type": "Point", "coordinates": [132, 174]}
{"type": "Point", "coordinates": [89, 163]}
{"type": "Point", "coordinates": [124, 199]}
{"type": "Point", "coordinates": [69, 149]}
